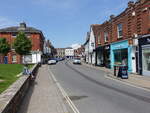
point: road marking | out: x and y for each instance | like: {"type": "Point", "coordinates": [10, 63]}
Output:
{"type": "Point", "coordinates": [71, 104]}
{"type": "Point", "coordinates": [129, 84]}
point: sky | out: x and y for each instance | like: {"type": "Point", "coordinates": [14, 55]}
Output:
{"type": "Point", "coordinates": [63, 22]}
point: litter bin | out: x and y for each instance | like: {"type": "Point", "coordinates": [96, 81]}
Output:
{"type": "Point", "coordinates": [123, 72]}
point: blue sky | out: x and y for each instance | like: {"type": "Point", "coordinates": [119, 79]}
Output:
{"type": "Point", "coordinates": [64, 22]}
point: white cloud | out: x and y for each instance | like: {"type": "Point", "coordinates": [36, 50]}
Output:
{"type": "Point", "coordinates": [5, 22]}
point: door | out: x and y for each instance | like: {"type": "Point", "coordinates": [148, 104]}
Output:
{"type": "Point", "coordinates": [137, 62]}
{"type": "Point", "coordinates": [5, 60]}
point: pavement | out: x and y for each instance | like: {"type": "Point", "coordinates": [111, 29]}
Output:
{"type": "Point", "coordinates": [134, 79]}
{"type": "Point", "coordinates": [92, 92]}
{"type": "Point", "coordinates": [44, 96]}
{"type": "Point", "coordinates": [88, 89]}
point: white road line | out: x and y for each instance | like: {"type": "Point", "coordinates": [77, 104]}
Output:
{"type": "Point", "coordinates": [71, 104]}
{"type": "Point", "coordinates": [129, 84]}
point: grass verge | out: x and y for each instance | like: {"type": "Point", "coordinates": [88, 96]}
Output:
{"type": "Point", "coordinates": [8, 74]}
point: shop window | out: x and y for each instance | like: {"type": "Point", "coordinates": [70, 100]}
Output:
{"type": "Point", "coordinates": [146, 59]}
{"type": "Point", "coordinates": [120, 33]}
{"type": "Point", "coordinates": [14, 58]}
{"type": "Point", "coordinates": [106, 36]}
{"type": "Point", "coordinates": [121, 57]}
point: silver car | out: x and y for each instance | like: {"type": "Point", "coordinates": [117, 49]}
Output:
{"type": "Point", "coordinates": [77, 61]}
{"type": "Point", "coordinates": [50, 62]}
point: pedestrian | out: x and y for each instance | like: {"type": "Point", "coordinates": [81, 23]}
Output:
{"type": "Point", "coordinates": [25, 70]}
{"type": "Point", "coordinates": [124, 62]}
{"type": "Point", "coordinates": [31, 74]}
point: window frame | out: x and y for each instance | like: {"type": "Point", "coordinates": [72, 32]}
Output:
{"type": "Point", "coordinates": [106, 37]}
{"type": "Point", "coordinates": [99, 39]}
{"type": "Point", "coordinates": [14, 61]}
{"type": "Point", "coordinates": [120, 30]}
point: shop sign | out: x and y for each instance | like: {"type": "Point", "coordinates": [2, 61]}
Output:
{"type": "Point", "coordinates": [144, 41]}
{"type": "Point", "coordinates": [120, 45]}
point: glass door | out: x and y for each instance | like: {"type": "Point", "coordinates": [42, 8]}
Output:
{"type": "Point", "coordinates": [146, 60]}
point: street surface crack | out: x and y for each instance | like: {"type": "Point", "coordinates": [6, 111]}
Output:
{"type": "Point", "coordinates": [74, 98]}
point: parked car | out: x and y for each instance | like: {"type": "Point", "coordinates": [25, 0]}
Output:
{"type": "Point", "coordinates": [77, 61]}
{"type": "Point", "coordinates": [58, 59]}
{"type": "Point", "coordinates": [52, 61]}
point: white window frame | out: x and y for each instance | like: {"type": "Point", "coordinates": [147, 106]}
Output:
{"type": "Point", "coordinates": [14, 60]}
{"type": "Point", "coordinates": [120, 30]}
{"type": "Point", "coordinates": [106, 36]}
{"type": "Point", "coordinates": [99, 39]}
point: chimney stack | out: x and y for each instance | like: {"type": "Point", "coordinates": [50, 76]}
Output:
{"type": "Point", "coordinates": [23, 25]}
{"type": "Point", "coordinates": [130, 4]}
{"type": "Point", "coordinates": [112, 17]}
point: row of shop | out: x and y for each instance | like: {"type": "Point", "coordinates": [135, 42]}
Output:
{"type": "Point", "coordinates": [136, 57]}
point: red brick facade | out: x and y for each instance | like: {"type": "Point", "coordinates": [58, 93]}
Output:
{"type": "Point", "coordinates": [37, 40]}
{"type": "Point", "coordinates": [135, 21]}
{"type": "Point", "coordinates": [79, 52]}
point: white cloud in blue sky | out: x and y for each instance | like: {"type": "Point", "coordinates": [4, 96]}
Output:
{"type": "Point", "coordinates": [64, 22]}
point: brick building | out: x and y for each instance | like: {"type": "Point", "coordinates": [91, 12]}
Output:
{"type": "Point", "coordinates": [79, 52]}
{"type": "Point", "coordinates": [37, 38]}
{"type": "Point", "coordinates": [102, 46]}
{"type": "Point", "coordinates": [116, 40]}
{"type": "Point", "coordinates": [60, 52]}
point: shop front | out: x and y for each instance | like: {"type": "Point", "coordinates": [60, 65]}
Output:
{"type": "Point", "coordinates": [106, 52]}
{"type": "Point", "coordinates": [99, 56]}
{"type": "Point", "coordinates": [103, 56]}
{"type": "Point", "coordinates": [144, 55]}
{"type": "Point", "coordinates": [121, 54]}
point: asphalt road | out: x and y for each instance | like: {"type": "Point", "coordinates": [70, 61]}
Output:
{"type": "Point", "coordinates": [92, 92]}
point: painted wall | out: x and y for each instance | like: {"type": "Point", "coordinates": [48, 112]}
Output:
{"type": "Point", "coordinates": [91, 47]}
{"type": "Point", "coordinates": [87, 52]}
{"type": "Point", "coordinates": [69, 52]}
{"type": "Point", "coordinates": [133, 59]}
{"type": "Point", "coordinates": [91, 41]}
{"type": "Point", "coordinates": [36, 57]}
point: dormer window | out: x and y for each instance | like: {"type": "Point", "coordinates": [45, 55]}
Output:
{"type": "Point", "coordinates": [106, 36]}
{"type": "Point", "coordinates": [119, 28]}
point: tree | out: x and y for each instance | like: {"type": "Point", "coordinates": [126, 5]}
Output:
{"type": "Point", "coordinates": [22, 44]}
{"type": "Point", "coordinates": [4, 46]}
